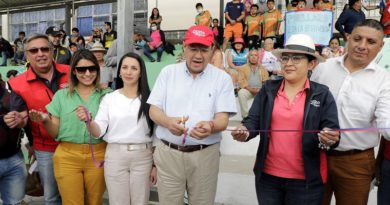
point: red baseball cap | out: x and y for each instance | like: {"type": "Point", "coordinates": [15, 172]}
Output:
{"type": "Point", "coordinates": [199, 34]}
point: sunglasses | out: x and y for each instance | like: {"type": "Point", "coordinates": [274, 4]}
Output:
{"type": "Point", "coordinates": [84, 69]}
{"type": "Point", "coordinates": [42, 49]}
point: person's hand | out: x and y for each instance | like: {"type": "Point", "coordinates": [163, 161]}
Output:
{"type": "Point", "coordinates": [201, 130]}
{"type": "Point", "coordinates": [176, 125]}
{"type": "Point", "coordinates": [232, 22]}
{"type": "Point", "coordinates": [13, 119]}
{"type": "Point", "coordinates": [153, 176]}
{"type": "Point", "coordinates": [328, 137]}
{"type": "Point", "coordinates": [83, 114]}
{"type": "Point", "coordinates": [38, 116]}
{"type": "Point", "coordinates": [240, 134]}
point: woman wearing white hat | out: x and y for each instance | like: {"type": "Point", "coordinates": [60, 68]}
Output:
{"type": "Point", "coordinates": [105, 74]}
{"type": "Point", "coordinates": [291, 166]}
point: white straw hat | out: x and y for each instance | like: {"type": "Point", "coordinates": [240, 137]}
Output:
{"type": "Point", "coordinates": [299, 43]}
{"type": "Point", "coordinates": [97, 46]}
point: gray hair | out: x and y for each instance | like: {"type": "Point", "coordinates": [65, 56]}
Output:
{"type": "Point", "coordinates": [36, 36]}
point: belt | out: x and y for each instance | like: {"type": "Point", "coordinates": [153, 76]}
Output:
{"type": "Point", "coordinates": [348, 152]}
{"type": "Point", "coordinates": [132, 147]}
{"type": "Point", "coordinates": [186, 148]}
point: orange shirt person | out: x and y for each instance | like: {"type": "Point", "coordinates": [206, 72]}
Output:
{"type": "Point", "coordinates": [204, 16]}
{"type": "Point", "coordinates": [271, 20]}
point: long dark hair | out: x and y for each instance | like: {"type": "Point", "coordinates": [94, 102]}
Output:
{"type": "Point", "coordinates": [77, 56]}
{"type": "Point", "coordinates": [143, 88]}
{"type": "Point", "coordinates": [158, 14]}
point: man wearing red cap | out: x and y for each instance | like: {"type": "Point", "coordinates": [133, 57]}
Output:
{"type": "Point", "coordinates": [191, 103]}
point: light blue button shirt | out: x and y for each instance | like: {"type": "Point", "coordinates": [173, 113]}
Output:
{"type": "Point", "coordinates": [178, 94]}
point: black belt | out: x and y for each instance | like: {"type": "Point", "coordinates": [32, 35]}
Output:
{"type": "Point", "coordinates": [186, 148]}
{"type": "Point", "coordinates": [348, 152]}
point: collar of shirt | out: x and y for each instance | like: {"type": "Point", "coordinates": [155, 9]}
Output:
{"type": "Point", "coordinates": [370, 66]}
{"type": "Point", "coordinates": [305, 87]}
{"type": "Point", "coordinates": [189, 74]}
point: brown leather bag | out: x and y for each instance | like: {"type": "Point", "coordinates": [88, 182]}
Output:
{"type": "Point", "coordinates": [33, 183]}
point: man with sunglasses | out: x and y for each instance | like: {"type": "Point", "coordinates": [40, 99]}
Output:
{"type": "Point", "coordinates": [191, 103]}
{"type": "Point", "coordinates": [34, 89]}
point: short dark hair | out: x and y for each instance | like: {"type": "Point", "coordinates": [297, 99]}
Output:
{"type": "Point", "coordinates": [199, 4]}
{"type": "Point", "coordinates": [216, 20]}
{"type": "Point", "coordinates": [12, 73]}
{"type": "Point", "coordinates": [75, 29]}
{"type": "Point", "coordinates": [22, 33]}
{"type": "Point", "coordinates": [255, 5]}
{"type": "Point", "coordinates": [108, 23]}
{"type": "Point", "coordinates": [302, 1]}
{"type": "Point", "coordinates": [72, 44]}
{"type": "Point", "coordinates": [271, 1]}
{"type": "Point", "coordinates": [310, 57]}
{"type": "Point", "coordinates": [372, 23]}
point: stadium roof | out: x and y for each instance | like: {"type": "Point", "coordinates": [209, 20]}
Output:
{"type": "Point", "coordinates": [12, 6]}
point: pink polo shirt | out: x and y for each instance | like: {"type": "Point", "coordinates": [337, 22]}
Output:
{"type": "Point", "coordinates": [284, 158]}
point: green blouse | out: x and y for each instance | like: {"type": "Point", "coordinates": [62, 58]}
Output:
{"type": "Point", "coordinates": [63, 107]}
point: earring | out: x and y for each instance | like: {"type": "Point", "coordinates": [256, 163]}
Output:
{"type": "Point", "coordinates": [120, 76]}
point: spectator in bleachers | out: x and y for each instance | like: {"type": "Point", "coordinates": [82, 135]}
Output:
{"type": "Point", "coordinates": [203, 18]}
{"type": "Point", "coordinates": [105, 73]}
{"type": "Point", "coordinates": [156, 44]}
{"type": "Point", "coordinates": [75, 35]}
{"type": "Point", "coordinates": [19, 44]}
{"type": "Point", "coordinates": [61, 55]}
{"type": "Point", "coordinates": [253, 27]}
{"type": "Point", "coordinates": [334, 49]}
{"type": "Point", "coordinates": [318, 5]}
{"type": "Point", "coordinates": [271, 21]}
{"type": "Point", "coordinates": [234, 15]}
{"type": "Point", "coordinates": [139, 43]}
{"type": "Point", "coordinates": [218, 58]}
{"type": "Point", "coordinates": [301, 4]}
{"type": "Point", "coordinates": [97, 35]}
{"type": "Point", "coordinates": [81, 43]}
{"type": "Point", "coordinates": [6, 51]}
{"type": "Point", "coordinates": [269, 60]}
{"type": "Point", "coordinates": [385, 20]}
{"type": "Point", "coordinates": [236, 58]}
{"type": "Point", "coordinates": [155, 17]}
{"type": "Point", "coordinates": [64, 39]}
{"type": "Point", "coordinates": [218, 31]}
{"type": "Point", "coordinates": [327, 5]}
{"type": "Point", "coordinates": [109, 36]}
{"type": "Point", "coordinates": [251, 78]}
{"type": "Point", "coordinates": [292, 6]}
{"type": "Point", "coordinates": [72, 48]}
{"type": "Point", "coordinates": [349, 18]}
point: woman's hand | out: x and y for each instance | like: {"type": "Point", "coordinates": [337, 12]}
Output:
{"type": "Point", "coordinates": [38, 116]}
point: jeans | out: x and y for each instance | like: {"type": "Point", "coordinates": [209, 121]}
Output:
{"type": "Point", "coordinates": [272, 190]}
{"type": "Point", "coordinates": [4, 56]}
{"type": "Point", "coordinates": [46, 173]}
{"type": "Point", "coordinates": [13, 176]}
{"type": "Point", "coordinates": [384, 186]}
{"type": "Point", "coordinates": [147, 53]}
{"type": "Point", "coordinates": [19, 56]}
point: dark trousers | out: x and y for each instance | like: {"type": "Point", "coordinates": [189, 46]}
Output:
{"type": "Point", "coordinates": [148, 53]}
{"type": "Point", "coordinates": [272, 190]}
{"type": "Point", "coordinates": [253, 42]}
{"type": "Point", "coordinates": [384, 186]}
